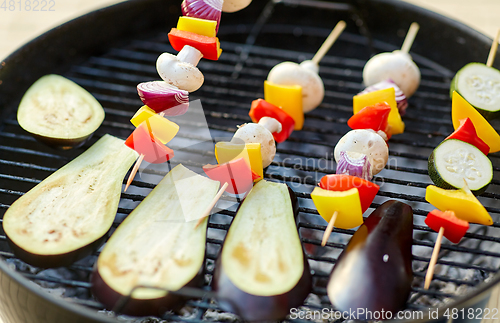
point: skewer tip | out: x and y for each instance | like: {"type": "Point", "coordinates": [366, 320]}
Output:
{"type": "Point", "coordinates": [134, 171]}
{"type": "Point", "coordinates": [212, 204]}
{"type": "Point", "coordinates": [329, 229]}
{"type": "Point", "coordinates": [410, 37]}
{"type": "Point", "coordinates": [493, 50]}
{"type": "Point", "coordinates": [434, 257]}
{"type": "Point", "coordinates": [329, 41]}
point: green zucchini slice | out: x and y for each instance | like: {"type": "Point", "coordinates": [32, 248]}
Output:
{"type": "Point", "coordinates": [454, 161]}
{"type": "Point", "coordinates": [480, 86]}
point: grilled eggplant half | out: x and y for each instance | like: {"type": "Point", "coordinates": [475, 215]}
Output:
{"type": "Point", "coordinates": [374, 274]}
{"type": "Point", "coordinates": [59, 113]}
{"type": "Point", "coordinates": [66, 216]}
{"type": "Point", "coordinates": [158, 245]}
{"type": "Point", "coordinates": [262, 271]}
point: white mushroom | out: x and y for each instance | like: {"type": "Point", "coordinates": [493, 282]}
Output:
{"type": "Point", "coordinates": [256, 133]}
{"type": "Point", "coordinates": [305, 75]}
{"type": "Point", "coordinates": [181, 70]}
{"type": "Point", "coordinates": [271, 124]}
{"type": "Point", "coordinates": [368, 142]}
{"type": "Point", "coordinates": [397, 66]}
{"type": "Point", "coordinates": [234, 5]}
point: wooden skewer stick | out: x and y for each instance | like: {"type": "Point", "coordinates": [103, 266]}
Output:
{"type": "Point", "coordinates": [410, 37]}
{"type": "Point", "coordinates": [134, 171]}
{"type": "Point", "coordinates": [136, 166]}
{"type": "Point", "coordinates": [212, 204]}
{"type": "Point", "coordinates": [434, 257]}
{"type": "Point", "coordinates": [493, 50]}
{"type": "Point", "coordinates": [325, 47]}
{"type": "Point", "coordinates": [329, 228]}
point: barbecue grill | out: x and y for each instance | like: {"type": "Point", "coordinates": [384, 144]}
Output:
{"type": "Point", "coordinates": [110, 51]}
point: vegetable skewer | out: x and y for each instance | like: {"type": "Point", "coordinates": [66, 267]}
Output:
{"type": "Point", "coordinates": [363, 152]}
{"type": "Point", "coordinates": [194, 38]}
{"type": "Point", "coordinates": [275, 122]}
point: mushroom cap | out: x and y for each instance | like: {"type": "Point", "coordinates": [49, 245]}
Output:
{"type": "Point", "coordinates": [397, 66]}
{"type": "Point", "coordinates": [234, 5]}
{"type": "Point", "coordinates": [183, 75]}
{"type": "Point", "coordinates": [255, 133]}
{"type": "Point", "coordinates": [310, 65]}
{"type": "Point", "coordinates": [290, 73]}
{"type": "Point", "coordinates": [368, 142]}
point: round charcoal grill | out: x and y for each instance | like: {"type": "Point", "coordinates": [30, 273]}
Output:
{"type": "Point", "coordinates": [110, 51]}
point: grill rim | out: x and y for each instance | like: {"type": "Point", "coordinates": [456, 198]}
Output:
{"type": "Point", "coordinates": [479, 294]}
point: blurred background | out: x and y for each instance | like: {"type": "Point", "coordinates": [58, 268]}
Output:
{"type": "Point", "coordinates": [20, 24]}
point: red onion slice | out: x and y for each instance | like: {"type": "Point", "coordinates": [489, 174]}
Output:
{"type": "Point", "coordinates": [400, 96]}
{"type": "Point", "coordinates": [204, 9]}
{"type": "Point", "coordinates": [354, 164]}
{"type": "Point", "coordinates": [163, 97]}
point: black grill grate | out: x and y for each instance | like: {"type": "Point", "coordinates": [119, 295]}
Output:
{"type": "Point", "coordinates": [301, 161]}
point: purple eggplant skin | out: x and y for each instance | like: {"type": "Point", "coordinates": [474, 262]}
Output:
{"type": "Point", "coordinates": [374, 272]}
{"type": "Point", "coordinates": [261, 308]}
{"type": "Point", "coordinates": [58, 260]}
{"type": "Point", "coordinates": [140, 307]}
{"type": "Point", "coordinates": [61, 143]}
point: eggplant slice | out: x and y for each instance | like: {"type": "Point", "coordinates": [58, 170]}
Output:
{"type": "Point", "coordinates": [262, 271]}
{"type": "Point", "coordinates": [65, 217]}
{"type": "Point", "coordinates": [59, 112]}
{"type": "Point", "coordinates": [158, 245]}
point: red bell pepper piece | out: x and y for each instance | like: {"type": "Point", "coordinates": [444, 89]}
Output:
{"type": "Point", "coordinates": [467, 132]}
{"type": "Point", "coordinates": [454, 228]}
{"type": "Point", "coordinates": [143, 141]}
{"type": "Point", "coordinates": [340, 182]}
{"type": "Point", "coordinates": [208, 46]}
{"type": "Point", "coordinates": [261, 108]}
{"type": "Point", "coordinates": [372, 117]}
{"type": "Point", "coordinates": [236, 173]}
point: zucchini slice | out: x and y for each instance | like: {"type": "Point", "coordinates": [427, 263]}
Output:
{"type": "Point", "coordinates": [454, 161]}
{"type": "Point", "coordinates": [480, 86]}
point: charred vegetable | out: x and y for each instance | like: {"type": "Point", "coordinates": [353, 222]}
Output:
{"type": "Point", "coordinates": [262, 271]}
{"type": "Point", "coordinates": [59, 113]}
{"type": "Point", "coordinates": [374, 271]}
{"type": "Point", "coordinates": [64, 217]}
{"type": "Point", "coordinates": [157, 245]}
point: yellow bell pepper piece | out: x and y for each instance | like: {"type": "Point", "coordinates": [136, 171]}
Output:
{"type": "Point", "coordinates": [461, 109]}
{"type": "Point", "coordinates": [227, 151]}
{"type": "Point", "coordinates": [388, 95]}
{"type": "Point", "coordinates": [198, 26]}
{"type": "Point", "coordinates": [346, 203]}
{"type": "Point", "coordinates": [288, 98]}
{"type": "Point", "coordinates": [465, 205]}
{"type": "Point", "coordinates": [162, 128]}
